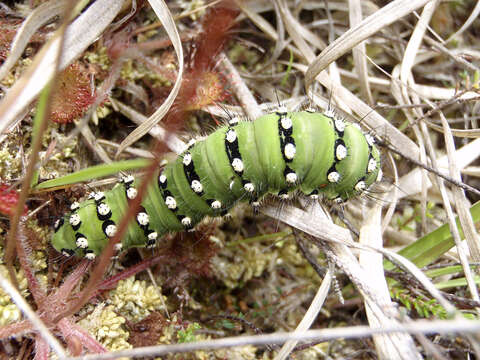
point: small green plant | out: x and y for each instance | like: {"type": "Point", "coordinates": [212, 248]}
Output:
{"type": "Point", "coordinates": [188, 335]}
{"type": "Point", "coordinates": [411, 217]}
{"type": "Point", "coordinates": [424, 307]}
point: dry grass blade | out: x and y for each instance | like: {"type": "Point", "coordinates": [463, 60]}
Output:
{"type": "Point", "coordinates": [473, 16]}
{"type": "Point", "coordinates": [411, 51]}
{"type": "Point", "coordinates": [241, 89]}
{"type": "Point", "coordinates": [471, 133]}
{"type": "Point", "coordinates": [294, 30]}
{"type": "Point", "coordinates": [324, 229]}
{"type": "Point", "coordinates": [335, 239]}
{"type": "Point", "coordinates": [78, 36]}
{"type": "Point", "coordinates": [462, 206]}
{"type": "Point", "coordinates": [264, 25]}
{"type": "Point", "coordinates": [430, 92]}
{"type": "Point", "coordinates": [356, 332]}
{"type": "Point", "coordinates": [401, 89]}
{"type": "Point", "coordinates": [338, 238]}
{"type": "Point", "coordinates": [410, 183]}
{"type": "Point", "coordinates": [369, 26]}
{"type": "Point", "coordinates": [165, 17]}
{"type": "Point", "coordinates": [38, 17]}
{"type": "Point", "coordinates": [92, 143]}
{"type": "Point", "coordinates": [359, 52]}
{"type": "Point", "coordinates": [173, 142]}
{"type": "Point", "coordinates": [310, 315]}
{"type": "Point", "coordinates": [407, 265]}
{"type": "Point", "coordinates": [388, 347]}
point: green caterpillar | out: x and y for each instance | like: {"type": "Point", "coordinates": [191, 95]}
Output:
{"type": "Point", "coordinates": [278, 153]}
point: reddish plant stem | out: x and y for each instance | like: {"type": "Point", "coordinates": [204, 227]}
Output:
{"type": "Point", "coordinates": [42, 350]}
{"type": "Point", "coordinates": [24, 252]}
{"type": "Point", "coordinates": [72, 331]}
{"type": "Point", "coordinates": [112, 281]}
{"type": "Point", "coordinates": [71, 281]}
{"type": "Point", "coordinates": [15, 329]}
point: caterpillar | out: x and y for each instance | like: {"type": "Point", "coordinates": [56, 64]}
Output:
{"type": "Point", "coordinates": [279, 153]}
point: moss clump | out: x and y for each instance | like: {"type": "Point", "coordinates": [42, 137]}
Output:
{"type": "Point", "coordinates": [10, 160]}
{"type": "Point", "coordinates": [9, 312]}
{"type": "Point", "coordinates": [99, 58]}
{"type": "Point", "coordinates": [59, 163]}
{"type": "Point", "coordinates": [107, 327]}
{"type": "Point", "coordinates": [193, 7]}
{"type": "Point", "coordinates": [135, 300]}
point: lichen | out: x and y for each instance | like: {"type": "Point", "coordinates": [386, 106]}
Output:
{"type": "Point", "coordinates": [135, 300]}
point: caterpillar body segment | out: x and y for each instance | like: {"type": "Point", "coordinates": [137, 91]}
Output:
{"type": "Point", "coordinates": [278, 153]}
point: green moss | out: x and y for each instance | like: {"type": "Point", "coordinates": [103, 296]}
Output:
{"type": "Point", "coordinates": [239, 264]}
{"type": "Point", "coordinates": [10, 160]}
{"type": "Point", "coordinates": [107, 327]}
{"type": "Point", "coordinates": [188, 335]}
{"type": "Point", "coordinates": [59, 163]}
{"type": "Point", "coordinates": [100, 58]}
{"type": "Point", "coordinates": [191, 6]}
{"type": "Point", "coordinates": [133, 70]}
{"type": "Point", "coordinates": [10, 79]}
{"type": "Point", "coordinates": [9, 312]}
{"type": "Point", "coordinates": [135, 300]}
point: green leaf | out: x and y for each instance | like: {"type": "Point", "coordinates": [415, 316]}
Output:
{"type": "Point", "coordinates": [227, 324]}
{"type": "Point", "coordinates": [188, 335]}
{"type": "Point", "coordinates": [432, 246]}
{"type": "Point", "coordinates": [447, 270]}
{"type": "Point", "coordinates": [93, 173]}
{"type": "Point", "coordinates": [454, 283]}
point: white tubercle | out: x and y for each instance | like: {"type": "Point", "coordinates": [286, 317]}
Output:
{"type": "Point", "coordinates": [333, 177]}
{"type": "Point", "coordinates": [341, 152]}
{"type": "Point", "coordinates": [216, 205]}
{"type": "Point", "coordinates": [289, 151]}
{"type": "Point", "coordinates": [74, 219]}
{"type": "Point", "coordinates": [249, 187]}
{"type": "Point", "coordinates": [171, 202]}
{"type": "Point", "coordinates": [132, 193]}
{"type": "Point", "coordinates": [143, 218]}
{"type": "Point", "coordinates": [291, 178]}
{"type": "Point", "coordinates": [231, 135]}
{"type": "Point", "coordinates": [237, 165]}
{"type": "Point", "coordinates": [286, 122]}
{"type": "Point", "coordinates": [187, 159]}
{"type": "Point", "coordinates": [111, 230]}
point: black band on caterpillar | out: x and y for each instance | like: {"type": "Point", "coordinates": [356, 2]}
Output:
{"type": "Point", "coordinates": [278, 153]}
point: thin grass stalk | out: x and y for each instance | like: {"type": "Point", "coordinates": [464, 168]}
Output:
{"type": "Point", "coordinates": [322, 335]}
